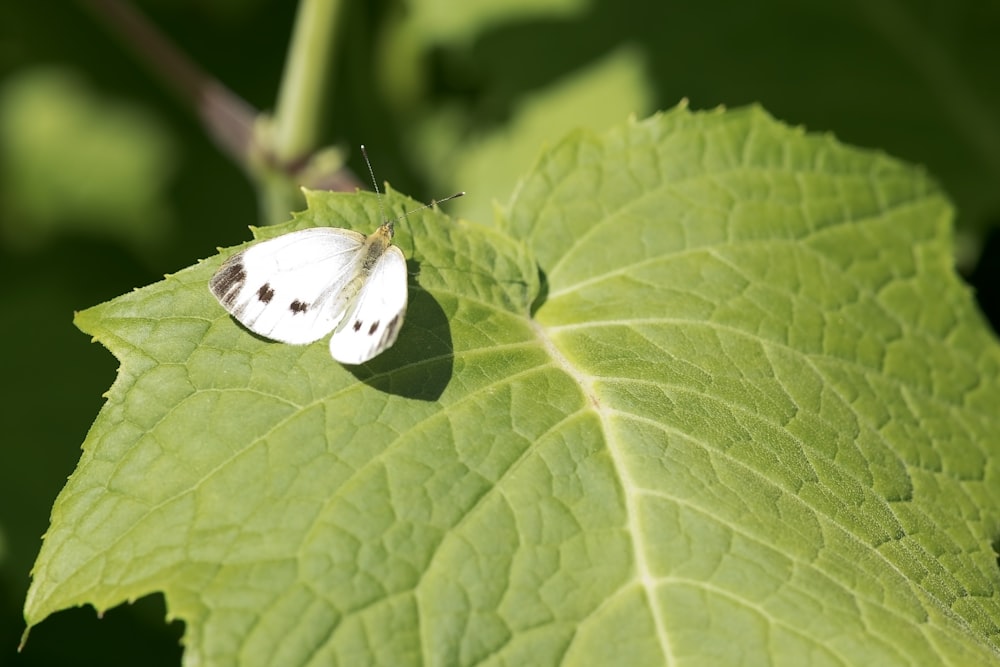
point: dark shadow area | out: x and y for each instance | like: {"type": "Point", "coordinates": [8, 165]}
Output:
{"type": "Point", "coordinates": [54, 381]}
{"type": "Point", "coordinates": [543, 292]}
{"type": "Point", "coordinates": [985, 278]}
{"type": "Point", "coordinates": [421, 362]}
{"type": "Point", "coordinates": [128, 635]}
{"type": "Point", "coordinates": [996, 550]}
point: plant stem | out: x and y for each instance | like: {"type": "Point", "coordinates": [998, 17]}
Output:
{"type": "Point", "coordinates": [228, 119]}
{"type": "Point", "coordinates": [300, 111]}
{"type": "Point", "coordinates": [295, 131]}
{"type": "Point", "coordinates": [273, 153]}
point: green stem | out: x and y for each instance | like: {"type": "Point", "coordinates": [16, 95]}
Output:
{"type": "Point", "coordinates": [296, 128]}
{"type": "Point", "coordinates": [300, 111]}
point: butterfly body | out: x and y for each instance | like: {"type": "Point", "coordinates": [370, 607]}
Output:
{"type": "Point", "coordinates": [298, 287]}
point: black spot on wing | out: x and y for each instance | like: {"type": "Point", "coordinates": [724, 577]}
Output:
{"type": "Point", "coordinates": [357, 325]}
{"type": "Point", "coordinates": [228, 281]}
{"type": "Point", "coordinates": [373, 328]}
{"type": "Point", "coordinates": [390, 328]}
{"type": "Point", "coordinates": [265, 293]}
{"type": "Point", "coordinates": [297, 307]}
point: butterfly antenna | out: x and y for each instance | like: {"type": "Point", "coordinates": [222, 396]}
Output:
{"type": "Point", "coordinates": [378, 194]}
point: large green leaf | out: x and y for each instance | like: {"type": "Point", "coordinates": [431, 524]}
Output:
{"type": "Point", "coordinates": [747, 415]}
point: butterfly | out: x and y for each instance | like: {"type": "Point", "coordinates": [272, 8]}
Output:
{"type": "Point", "coordinates": [298, 287]}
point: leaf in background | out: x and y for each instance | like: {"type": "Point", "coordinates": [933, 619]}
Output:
{"type": "Point", "coordinates": [597, 98]}
{"type": "Point", "coordinates": [752, 419]}
{"type": "Point", "coordinates": [73, 162]}
{"type": "Point", "coordinates": [420, 27]}
{"type": "Point", "coordinates": [470, 149]}
{"type": "Point", "coordinates": [914, 78]}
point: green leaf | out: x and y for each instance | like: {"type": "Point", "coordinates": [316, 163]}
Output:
{"type": "Point", "coordinates": [747, 416]}
{"type": "Point", "coordinates": [597, 98]}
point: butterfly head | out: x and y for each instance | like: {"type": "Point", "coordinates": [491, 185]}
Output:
{"type": "Point", "coordinates": [386, 230]}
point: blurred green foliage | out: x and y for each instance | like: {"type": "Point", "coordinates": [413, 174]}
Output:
{"type": "Point", "coordinates": [77, 164]}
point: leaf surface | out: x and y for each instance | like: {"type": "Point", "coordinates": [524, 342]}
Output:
{"type": "Point", "coordinates": [709, 393]}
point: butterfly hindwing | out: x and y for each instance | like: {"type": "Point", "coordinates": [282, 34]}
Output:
{"type": "Point", "coordinates": [290, 288]}
{"type": "Point", "coordinates": [375, 317]}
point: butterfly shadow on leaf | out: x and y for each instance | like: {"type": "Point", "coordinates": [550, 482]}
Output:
{"type": "Point", "coordinates": [420, 363]}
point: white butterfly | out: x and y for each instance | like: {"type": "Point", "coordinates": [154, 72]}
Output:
{"type": "Point", "coordinates": [298, 287]}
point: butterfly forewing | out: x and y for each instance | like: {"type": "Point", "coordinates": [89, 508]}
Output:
{"type": "Point", "coordinates": [377, 313]}
{"type": "Point", "coordinates": [291, 288]}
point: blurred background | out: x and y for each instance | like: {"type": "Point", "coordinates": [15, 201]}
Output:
{"type": "Point", "coordinates": [108, 179]}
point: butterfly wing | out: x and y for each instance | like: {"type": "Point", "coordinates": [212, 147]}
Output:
{"type": "Point", "coordinates": [373, 323]}
{"type": "Point", "coordinates": [290, 288]}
